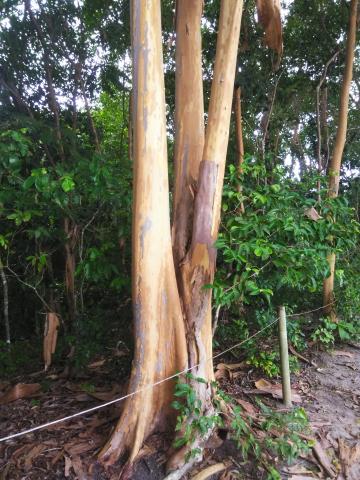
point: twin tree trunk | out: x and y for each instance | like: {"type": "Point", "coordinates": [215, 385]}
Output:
{"type": "Point", "coordinates": [335, 164]}
{"type": "Point", "coordinates": [172, 310]}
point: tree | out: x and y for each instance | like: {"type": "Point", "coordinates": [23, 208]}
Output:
{"type": "Point", "coordinates": [335, 163]}
{"type": "Point", "coordinates": [172, 309]}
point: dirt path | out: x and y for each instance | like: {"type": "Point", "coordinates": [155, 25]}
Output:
{"type": "Point", "coordinates": [333, 406]}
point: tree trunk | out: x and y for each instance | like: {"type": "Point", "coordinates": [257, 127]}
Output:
{"type": "Point", "coordinates": [189, 121]}
{"type": "Point", "coordinates": [172, 312]}
{"type": "Point", "coordinates": [322, 150]}
{"type": "Point", "coordinates": [239, 139]}
{"type": "Point", "coordinates": [71, 234]}
{"type": "Point", "coordinates": [335, 163]}
{"type": "Point", "coordinates": [160, 347]}
{"type": "Point", "coordinates": [5, 304]}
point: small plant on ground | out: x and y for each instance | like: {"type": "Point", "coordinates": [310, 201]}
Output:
{"type": "Point", "coordinates": [328, 332]}
{"type": "Point", "coordinates": [283, 438]}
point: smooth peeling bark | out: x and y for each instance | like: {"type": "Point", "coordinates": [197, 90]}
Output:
{"type": "Point", "coordinates": [160, 348]}
{"type": "Point", "coordinates": [270, 18]}
{"type": "Point", "coordinates": [189, 121]}
{"type": "Point", "coordinates": [199, 267]}
{"type": "Point", "coordinates": [335, 163]}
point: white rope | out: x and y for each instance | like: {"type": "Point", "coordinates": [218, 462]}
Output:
{"type": "Point", "coordinates": [131, 394]}
{"type": "Point", "coordinates": [142, 389]}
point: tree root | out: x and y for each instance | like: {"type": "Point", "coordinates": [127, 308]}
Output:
{"type": "Point", "coordinates": [178, 462]}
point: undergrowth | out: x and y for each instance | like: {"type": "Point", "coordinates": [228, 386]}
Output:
{"type": "Point", "coordinates": [263, 437]}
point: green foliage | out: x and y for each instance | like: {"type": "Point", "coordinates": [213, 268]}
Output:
{"type": "Point", "coordinates": [274, 249]}
{"type": "Point", "coordinates": [268, 362]}
{"type": "Point", "coordinates": [288, 445]}
{"type": "Point", "coordinates": [329, 331]}
{"type": "Point", "coordinates": [190, 419]}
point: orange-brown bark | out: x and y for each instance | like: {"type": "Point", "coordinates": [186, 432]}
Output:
{"type": "Point", "coordinates": [199, 266]}
{"type": "Point", "coordinates": [189, 121]}
{"type": "Point", "coordinates": [172, 315]}
{"type": "Point", "coordinates": [335, 163]}
{"type": "Point", "coordinates": [270, 19]}
{"type": "Point", "coordinates": [160, 348]}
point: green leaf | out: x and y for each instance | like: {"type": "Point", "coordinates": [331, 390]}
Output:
{"type": "Point", "coordinates": [67, 183]}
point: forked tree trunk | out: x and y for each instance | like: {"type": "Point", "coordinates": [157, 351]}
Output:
{"type": "Point", "coordinates": [335, 163]}
{"type": "Point", "coordinates": [172, 312]}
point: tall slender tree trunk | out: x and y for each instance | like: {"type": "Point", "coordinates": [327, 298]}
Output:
{"type": "Point", "coordinates": [71, 234]}
{"type": "Point", "coordinates": [239, 139]}
{"type": "Point", "coordinates": [160, 346]}
{"type": "Point", "coordinates": [5, 304]}
{"type": "Point", "coordinates": [335, 163]}
{"type": "Point", "coordinates": [189, 121]}
{"type": "Point", "coordinates": [172, 310]}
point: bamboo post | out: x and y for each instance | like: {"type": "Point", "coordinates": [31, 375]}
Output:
{"type": "Point", "coordinates": [284, 358]}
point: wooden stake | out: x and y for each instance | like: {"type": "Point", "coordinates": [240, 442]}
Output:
{"type": "Point", "coordinates": [284, 358]}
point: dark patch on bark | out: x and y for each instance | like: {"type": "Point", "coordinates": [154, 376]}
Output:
{"type": "Point", "coordinates": [204, 206]}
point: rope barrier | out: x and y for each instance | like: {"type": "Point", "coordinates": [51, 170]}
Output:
{"type": "Point", "coordinates": [146, 387]}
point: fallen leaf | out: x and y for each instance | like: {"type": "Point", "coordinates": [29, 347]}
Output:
{"type": "Point", "coordinates": [231, 366]}
{"type": "Point", "coordinates": [20, 390]}
{"type": "Point", "coordinates": [77, 448]}
{"type": "Point", "coordinates": [98, 363]}
{"type": "Point", "coordinates": [301, 477]}
{"type": "Point", "coordinates": [32, 454]}
{"type": "Point", "coordinates": [225, 370]}
{"type": "Point", "coordinates": [263, 384]}
{"type": "Point", "coordinates": [264, 387]}
{"type": "Point", "coordinates": [106, 396]}
{"type": "Point", "coordinates": [57, 457]}
{"type": "Point", "coordinates": [247, 406]}
{"type": "Point", "coordinates": [68, 465]}
{"type": "Point", "coordinates": [78, 468]}
{"type": "Point", "coordinates": [209, 471]}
